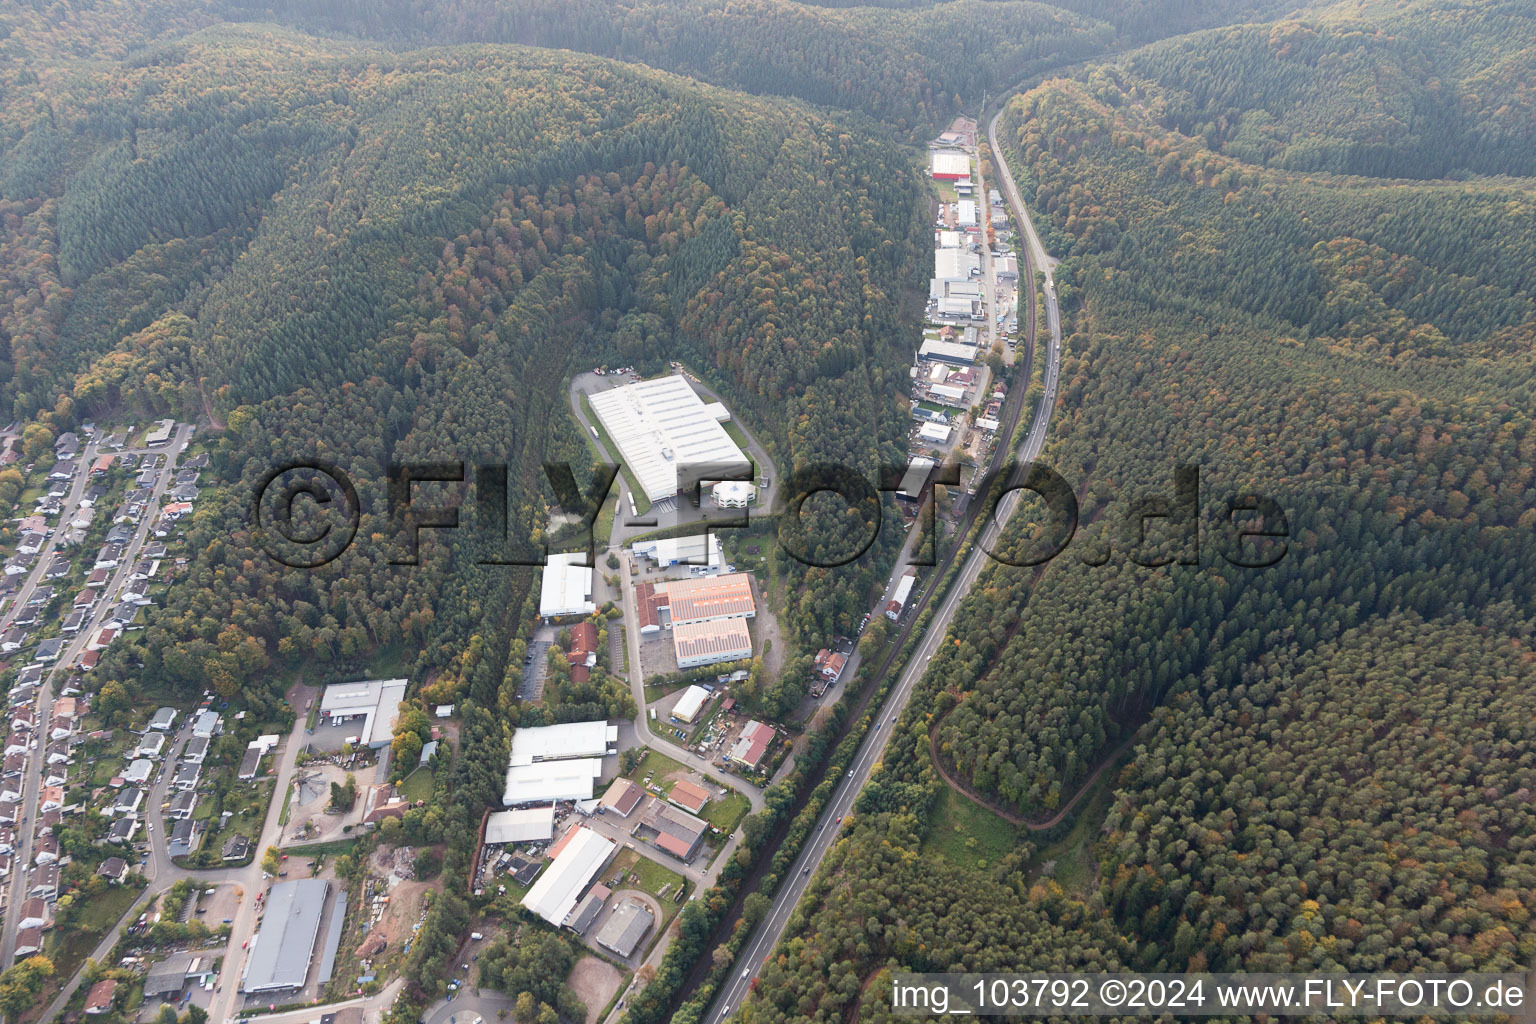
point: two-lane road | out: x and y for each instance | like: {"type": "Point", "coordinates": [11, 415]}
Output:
{"type": "Point", "coordinates": [771, 928]}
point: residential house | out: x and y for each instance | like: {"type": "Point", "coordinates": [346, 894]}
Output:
{"type": "Point", "coordinates": [139, 771]}
{"type": "Point", "coordinates": [207, 725]}
{"type": "Point", "coordinates": [34, 914]}
{"type": "Point", "coordinates": [186, 777]}
{"type": "Point", "coordinates": [46, 850]}
{"type": "Point", "coordinates": [195, 750]}
{"type": "Point", "coordinates": [12, 640]}
{"type": "Point", "coordinates": [30, 543]}
{"type": "Point", "coordinates": [75, 621]}
{"type": "Point", "coordinates": [50, 649]}
{"type": "Point", "coordinates": [185, 838]}
{"type": "Point", "coordinates": [163, 719]}
{"type": "Point", "coordinates": [67, 446]}
{"type": "Point", "coordinates": [98, 578]}
{"type": "Point", "coordinates": [99, 999]}
{"type": "Point", "coordinates": [28, 942]}
{"type": "Point", "coordinates": [113, 869]}
{"type": "Point", "coordinates": [57, 569]}
{"type": "Point", "coordinates": [51, 798]}
{"type": "Point", "coordinates": [152, 744]}
{"type": "Point", "coordinates": [182, 806]}
{"type": "Point", "coordinates": [123, 830]}
{"type": "Point", "coordinates": [127, 803]}
{"type": "Point", "coordinates": [109, 555]}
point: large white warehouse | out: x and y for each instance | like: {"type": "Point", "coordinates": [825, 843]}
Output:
{"type": "Point", "coordinates": [566, 587]}
{"type": "Point", "coordinates": [582, 855]}
{"type": "Point", "coordinates": [667, 436]}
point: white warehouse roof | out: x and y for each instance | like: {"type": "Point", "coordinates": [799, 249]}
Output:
{"type": "Point", "coordinates": [661, 427]}
{"type": "Point", "coordinates": [950, 162]}
{"type": "Point", "coordinates": [376, 700]}
{"type": "Point", "coordinates": [690, 702]}
{"type": "Point", "coordinates": [954, 264]}
{"type": "Point", "coordinates": [560, 886]}
{"type": "Point", "coordinates": [548, 781]}
{"type": "Point", "coordinates": [559, 742]}
{"type": "Point", "coordinates": [566, 588]}
{"type": "Point", "coordinates": [527, 825]}
{"type": "Point", "coordinates": [938, 433]}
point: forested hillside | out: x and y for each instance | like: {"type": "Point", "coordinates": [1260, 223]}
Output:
{"type": "Point", "coordinates": [1424, 91]}
{"type": "Point", "coordinates": [1328, 764]}
{"type": "Point", "coordinates": [371, 257]}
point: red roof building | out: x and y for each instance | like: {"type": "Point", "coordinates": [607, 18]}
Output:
{"type": "Point", "coordinates": [99, 999]}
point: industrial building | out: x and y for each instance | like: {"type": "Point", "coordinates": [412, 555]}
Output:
{"type": "Point", "coordinates": [557, 762]}
{"type": "Point", "coordinates": [934, 433]}
{"type": "Point", "coordinates": [690, 796]}
{"type": "Point", "coordinates": [566, 587]}
{"type": "Point", "coordinates": [949, 164]}
{"type": "Point", "coordinates": [948, 351]}
{"type": "Point", "coordinates": [629, 924]}
{"type": "Point", "coordinates": [667, 436]}
{"type": "Point", "coordinates": [714, 598]}
{"type": "Point", "coordinates": [700, 552]}
{"type": "Point", "coordinates": [752, 744]}
{"type": "Point", "coordinates": [711, 642]}
{"type": "Point", "coordinates": [690, 703]}
{"type": "Point", "coordinates": [653, 608]}
{"type": "Point", "coordinates": [955, 265]}
{"type": "Point", "coordinates": [549, 781]}
{"type": "Point", "coordinates": [527, 825]}
{"type": "Point", "coordinates": [734, 494]}
{"type": "Point", "coordinates": [676, 831]}
{"type": "Point", "coordinates": [622, 797]}
{"type": "Point", "coordinates": [581, 856]}
{"type": "Point", "coordinates": [373, 703]}
{"type": "Point", "coordinates": [587, 910]}
{"type": "Point", "coordinates": [282, 950]}
{"type": "Point", "coordinates": [560, 742]}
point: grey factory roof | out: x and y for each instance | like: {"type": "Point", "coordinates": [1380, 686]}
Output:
{"type": "Point", "coordinates": [624, 930]}
{"type": "Point", "coordinates": [283, 948]}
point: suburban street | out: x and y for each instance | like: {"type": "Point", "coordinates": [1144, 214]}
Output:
{"type": "Point", "coordinates": [771, 928]}
{"type": "Point", "coordinates": [32, 778]}
{"type": "Point", "coordinates": [163, 874]}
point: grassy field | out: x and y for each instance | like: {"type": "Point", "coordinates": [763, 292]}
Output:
{"type": "Point", "coordinates": [417, 785]}
{"type": "Point", "coordinates": [655, 693]}
{"type": "Point", "coordinates": [69, 948]}
{"type": "Point", "coordinates": [657, 765]}
{"type": "Point", "coordinates": [964, 832]}
{"type": "Point", "coordinates": [726, 812]}
{"type": "Point", "coordinates": [646, 874]}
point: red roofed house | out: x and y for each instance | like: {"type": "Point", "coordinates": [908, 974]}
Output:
{"type": "Point", "coordinates": [99, 999]}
